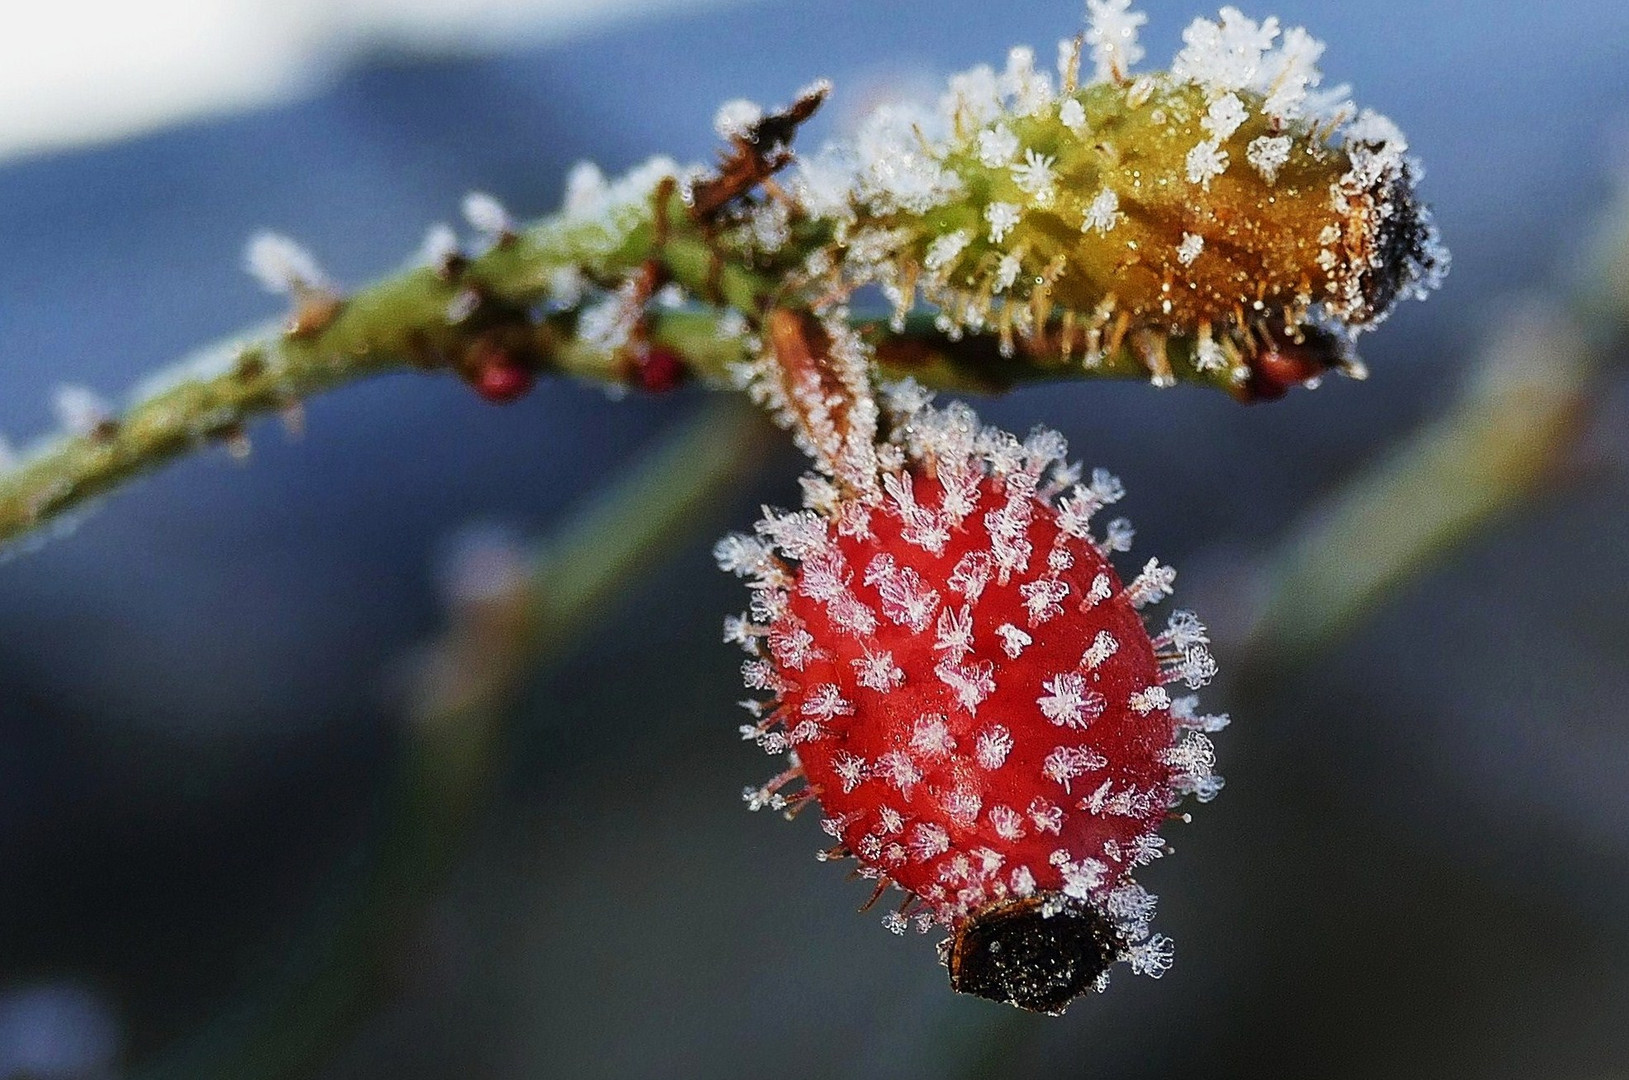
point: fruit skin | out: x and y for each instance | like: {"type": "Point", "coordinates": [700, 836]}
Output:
{"type": "Point", "coordinates": [969, 726]}
{"type": "Point", "coordinates": [969, 691]}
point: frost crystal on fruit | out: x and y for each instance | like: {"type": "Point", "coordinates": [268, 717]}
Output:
{"type": "Point", "coordinates": [965, 685]}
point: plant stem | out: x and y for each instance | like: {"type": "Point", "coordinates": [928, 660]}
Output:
{"type": "Point", "coordinates": [445, 319]}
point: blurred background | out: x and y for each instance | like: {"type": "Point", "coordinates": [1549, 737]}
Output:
{"type": "Point", "coordinates": [214, 860]}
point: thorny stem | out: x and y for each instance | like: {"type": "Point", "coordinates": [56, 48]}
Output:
{"type": "Point", "coordinates": [460, 719]}
{"type": "Point", "coordinates": [430, 318]}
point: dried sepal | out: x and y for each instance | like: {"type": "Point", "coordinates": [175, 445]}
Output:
{"type": "Point", "coordinates": [758, 146]}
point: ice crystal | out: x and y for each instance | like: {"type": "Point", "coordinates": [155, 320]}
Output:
{"type": "Point", "coordinates": [1187, 251]}
{"type": "Point", "coordinates": [80, 410]}
{"type": "Point", "coordinates": [281, 265]}
{"type": "Point", "coordinates": [735, 118]}
{"type": "Point", "coordinates": [486, 215]}
{"type": "Point", "coordinates": [1002, 216]}
{"type": "Point", "coordinates": [997, 146]}
{"type": "Point", "coordinates": [1267, 154]}
{"type": "Point", "coordinates": [1103, 212]}
{"type": "Point", "coordinates": [1112, 35]}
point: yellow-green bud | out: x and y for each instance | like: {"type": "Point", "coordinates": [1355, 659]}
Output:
{"type": "Point", "coordinates": [1216, 204]}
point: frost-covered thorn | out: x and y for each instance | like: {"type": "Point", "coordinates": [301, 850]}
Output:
{"type": "Point", "coordinates": [1152, 585]}
{"type": "Point", "coordinates": [283, 266]}
{"type": "Point", "coordinates": [1152, 957]}
{"type": "Point", "coordinates": [1183, 630]}
{"type": "Point", "coordinates": [487, 216]}
{"type": "Point", "coordinates": [1151, 347]}
{"type": "Point", "coordinates": [737, 118]}
{"type": "Point", "coordinates": [496, 372]}
{"type": "Point", "coordinates": [1069, 52]}
{"type": "Point", "coordinates": [1195, 668]}
{"type": "Point", "coordinates": [1112, 34]}
{"type": "Point", "coordinates": [757, 148]}
{"type": "Point", "coordinates": [1185, 714]}
{"type": "Point", "coordinates": [1117, 536]}
{"type": "Point", "coordinates": [440, 251]}
{"type": "Point", "coordinates": [82, 412]}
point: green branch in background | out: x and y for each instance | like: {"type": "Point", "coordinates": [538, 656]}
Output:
{"type": "Point", "coordinates": [1496, 447]}
{"type": "Point", "coordinates": [464, 706]}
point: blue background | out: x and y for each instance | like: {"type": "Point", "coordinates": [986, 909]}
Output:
{"type": "Point", "coordinates": [1417, 868]}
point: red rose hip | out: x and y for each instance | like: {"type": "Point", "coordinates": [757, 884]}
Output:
{"type": "Point", "coordinates": [968, 690]}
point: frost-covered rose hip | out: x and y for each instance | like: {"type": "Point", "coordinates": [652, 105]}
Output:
{"type": "Point", "coordinates": [967, 688]}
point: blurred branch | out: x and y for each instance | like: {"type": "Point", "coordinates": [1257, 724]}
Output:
{"type": "Point", "coordinates": [474, 676]}
{"type": "Point", "coordinates": [1500, 444]}
{"type": "Point", "coordinates": [1603, 286]}
{"type": "Point", "coordinates": [1506, 440]}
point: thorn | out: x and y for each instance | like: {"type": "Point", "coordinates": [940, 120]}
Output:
{"type": "Point", "coordinates": [314, 311]}
{"type": "Point", "coordinates": [488, 217]}
{"type": "Point", "coordinates": [236, 441]}
{"type": "Point", "coordinates": [250, 364]}
{"type": "Point", "coordinates": [441, 253]}
{"type": "Point", "coordinates": [292, 415]}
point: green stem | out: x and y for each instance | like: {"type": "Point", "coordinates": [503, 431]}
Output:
{"type": "Point", "coordinates": [408, 322]}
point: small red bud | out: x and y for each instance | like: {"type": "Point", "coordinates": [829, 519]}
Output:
{"type": "Point", "coordinates": [660, 370]}
{"type": "Point", "coordinates": [500, 378]}
{"type": "Point", "coordinates": [1283, 363]}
